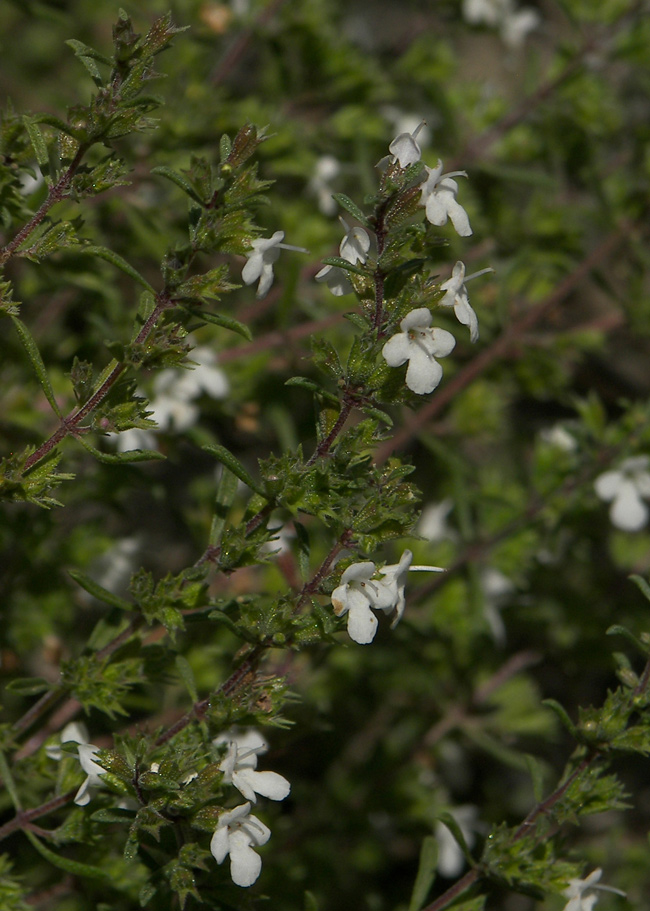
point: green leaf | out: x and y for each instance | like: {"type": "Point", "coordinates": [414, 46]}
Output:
{"type": "Point", "coordinates": [38, 142]}
{"type": "Point", "coordinates": [186, 674]}
{"type": "Point", "coordinates": [306, 383]}
{"type": "Point", "coordinates": [228, 460]}
{"type": "Point", "coordinates": [618, 630]}
{"type": "Point", "coordinates": [426, 872]}
{"type": "Point", "coordinates": [642, 585]}
{"type": "Point", "coordinates": [117, 458]}
{"type": "Point", "coordinates": [88, 56]}
{"type": "Point", "coordinates": [28, 686]}
{"type": "Point", "coordinates": [350, 206]}
{"type": "Point", "coordinates": [99, 592]}
{"type": "Point", "coordinates": [448, 820]}
{"type": "Point", "coordinates": [64, 863]}
{"type": "Point", "coordinates": [116, 260]}
{"type": "Point", "coordinates": [224, 500]}
{"type": "Point", "coordinates": [180, 181]}
{"type": "Point", "coordinates": [343, 264]}
{"type": "Point", "coordinates": [563, 716]}
{"type": "Point", "coordinates": [218, 319]}
{"type": "Point", "coordinates": [37, 362]}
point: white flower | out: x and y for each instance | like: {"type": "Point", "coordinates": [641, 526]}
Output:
{"type": "Point", "coordinates": [240, 763]}
{"type": "Point", "coordinates": [172, 405]}
{"type": "Point", "coordinates": [405, 149]}
{"type": "Point", "coordinates": [626, 487]}
{"type": "Point", "coordinates": [433, 521]}
{"type": "Point", "coordinates": [77, 733]}
{"type": "Point", "coordinates": [260, 261]}
{"type": "Point", "coordinates": [236, 834]}
{"type": "Point", "coordinates": [418, 344]}
{"type": "Point", "coordinates": [406, 122]}
{"type": "Point", "coordinates": [578, 901]}
{"type": "Point", "coordinates": [513, 24]}
{"type": "Point", "coordinates": [93, 771]}
{"type": "Point", "coordinates": [354, 247]}
{"type": "Point", "coordinates": [358, 594]}
{"type": "Point", "coordinates": [327, 169]}
{"type": "Point", "coordinates": [439, 197]}
{"type": "Point", "coordinates": [558, 437]}
{"type": "Point", "coordinates": [456, 297]}
{"type": "Point", "coordinates": [495, 587]}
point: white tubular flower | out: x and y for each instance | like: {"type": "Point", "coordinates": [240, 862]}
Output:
{"type": "Point", "coordinates": [439, 197]}
{"type": "Point", "coordinates": [420, 345]}
{"type": "Point", "coordinates": [74, 732]}
{"type": "Point", "coordinates": [354, 598]}
{"type": "Point", "coordinates": [93, 771]}
{"type": "Point", "coordinates": [203, 377]}
{"type": "Point", "coordinates": [405, 149]}
{"type": "Point", "coordinates": [514, 24]}
{"type": "Point", "coordinates": [358, 594]}
{"type": "Point", "coordinates": [578, 901]}
{"type": "Point", "coordinates": [456, 297]}
{"type": "Point", "coordinates": [77, 733]}
{"type": "Point", "coordinates": [354, 247]}
{"type": "Point", "coordinates": [260, 261]}
{"type": "Point", "coordinates": [626, 487]}
{"type": "Point", "coordinates": [240, 763]}
{"type": "Point", "coordinates": [327, 169]}
{"type": "Point", "coordinates": [236, 834]}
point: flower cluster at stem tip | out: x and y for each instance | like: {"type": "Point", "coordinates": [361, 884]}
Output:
{"type": "Point", "coordinates": [238, 832]}
{"type": "Point", "coordinates": [418, 342]}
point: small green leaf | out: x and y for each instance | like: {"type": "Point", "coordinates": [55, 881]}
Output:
{"type": "Point", "coordinates": [341, 263]}
{"type": "Point", "coordinates": [642, 585]}
{"type": "Point", "coordinates": [617, 630]}
{"type": "Point", "coordinates": [116, 260]}
{"type": "Point", "coordinates": [228, 460]}
{"type": "Point", "coordinates": [218, 319]}
{"type": "Point", "coordinates": [64, 863]}
{"type": "Point", "coordinates": [224, 500]}
{"type": "Point", "coordinates": [180, 181]}
{"type": "Point", "coordinates": [563, 716]}
{"type": "Point", "coordinates": [426, 872]}
{"type": "Point", "coordinates": [350, 206]}
{"type": "Point", "coordinates": [28, 686]}
{"type": "Point", "coordinates": [38, 142]}
{"type": "Point", "coordinates": [37, 362]}
{"type": "Point", "coordinates": [124, 458]}
{"type": "Point", "coordinates": [452, 824]}
{"type": "Point", "coordinates": [97, 591]}
{"type": "Point", "coordinates": [88, 57]}
{"type": "Point", "coordinates": [305, 383]}
{"type": "Point", "coordinates": [185, 672]}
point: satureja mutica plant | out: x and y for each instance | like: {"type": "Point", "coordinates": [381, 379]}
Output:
{"type": "Point", "coordinates": [168, 795]}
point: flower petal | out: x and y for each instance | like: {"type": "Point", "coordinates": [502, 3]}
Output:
{"type": "Point", "coordinates": [424, 373]}
{"type": "Point", "coordinates": [397, 350]}
{"type": "Point", "coordinates": [245, 864]}
{"type": "Point", "coordinates": [362, 624]}
{"type": "Point", "coordinates": [628, 511]}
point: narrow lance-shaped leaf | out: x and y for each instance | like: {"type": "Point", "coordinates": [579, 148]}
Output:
{"type": "Point", "coordinates": [350, 206]}
{"type": "Point", "coordinates": [180, 181]}
{"type": "Point", "coordinates": [224, 500]}
{"type": "Point", "coordinates": [426, 872]}
{"type": "Point", "coordinates": [37, 362]}
{"type": "Point", "coordinates": [116, 260]}
{"type": "Point", "coordinates": [64, 863]}
{"type": "Point", "coordinates": [38, 142]}
{"type": "Point", "coordinates": [99, 592]}
{"type": "Point", "coordinates": [233, 464]}
{"type": "Point", "coordinates": [117, 458]}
